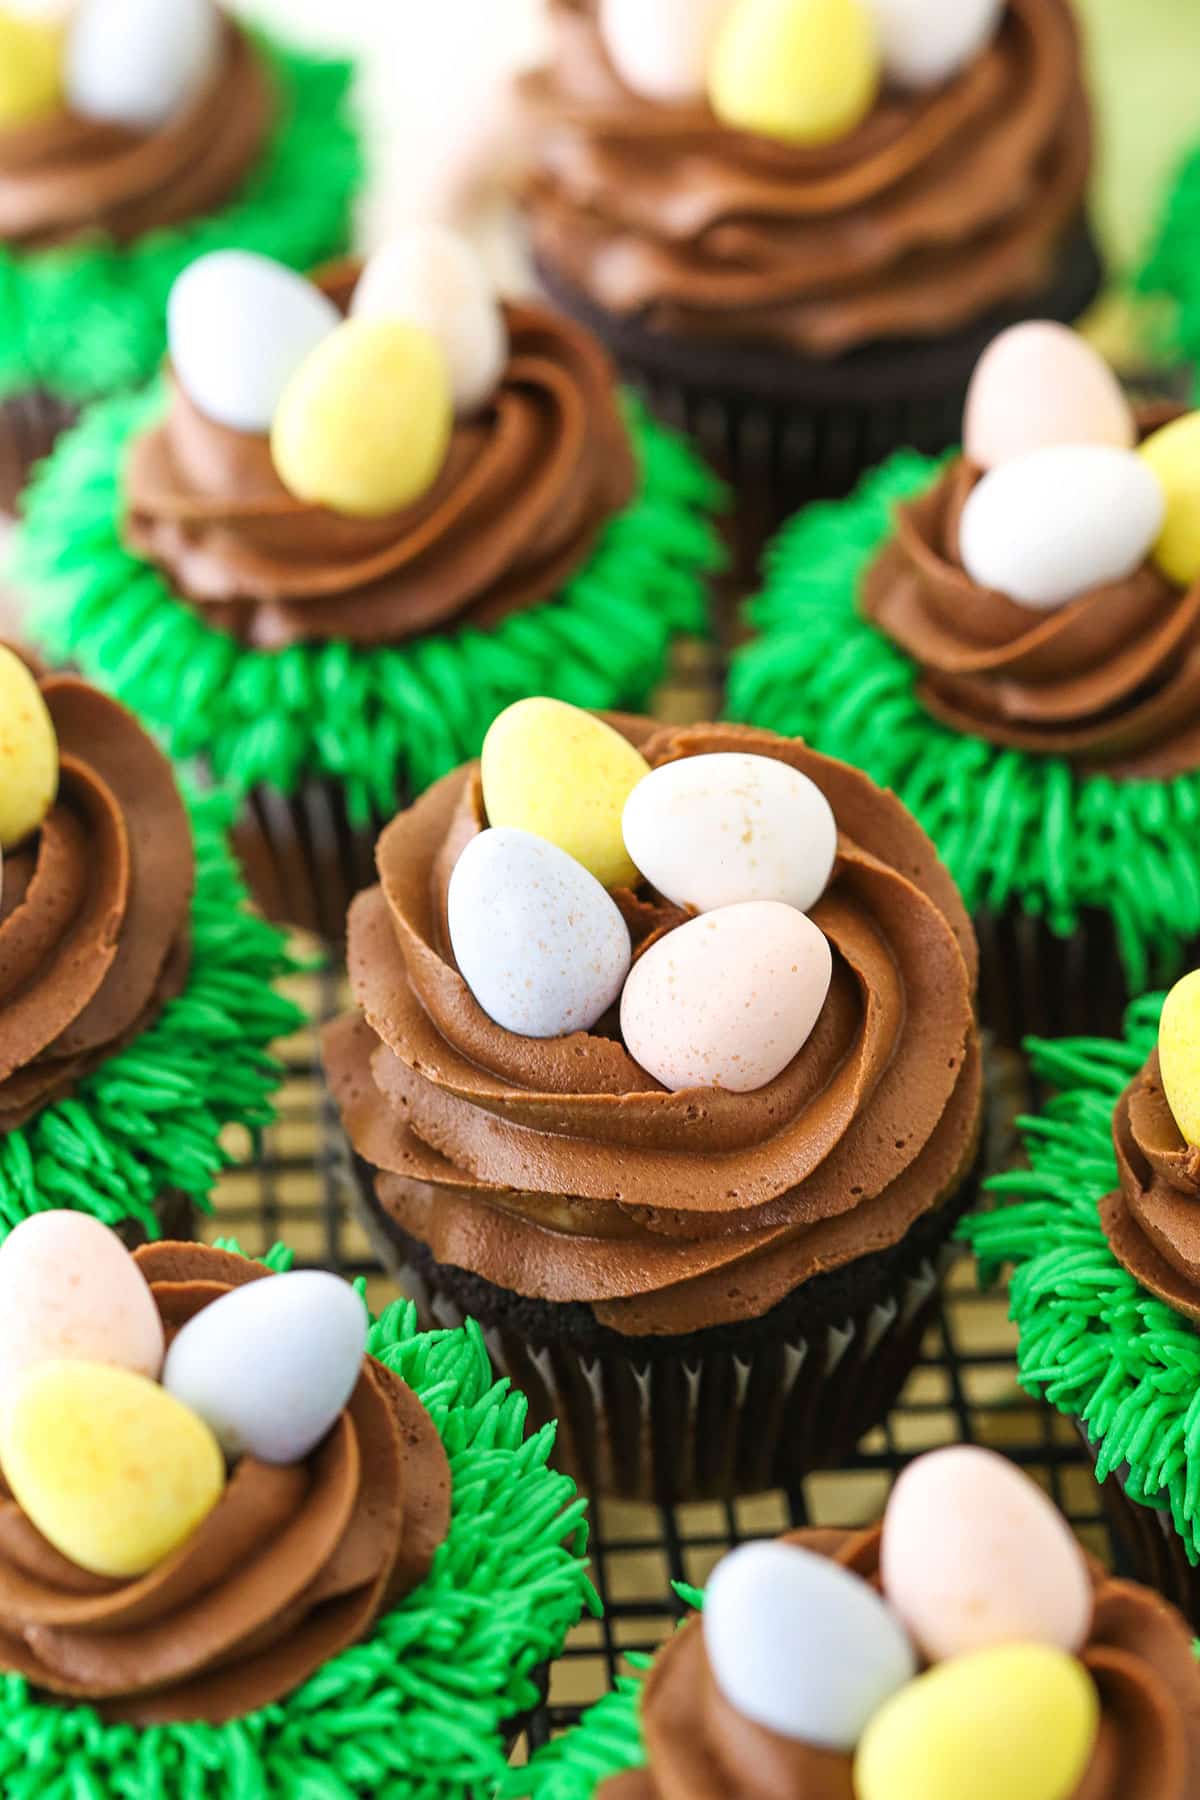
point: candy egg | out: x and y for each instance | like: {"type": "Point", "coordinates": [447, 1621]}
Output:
{"type": "Point", "coordinates": [1179, 1055]}
{"type": "Point", "coordinates": [1173, 453]}
{"type": "Point", "coordinates": [239, 326]}
{"type": "Point", "coordinates": [538, 941]}
{"type": "Point", "coordinates": [138, 62]}
{"type": "Point", "coordinates": [1040, 383]}
{"type": "Point", "coordinates": [661, 48]}
{"type": "Point", "coordinates": [28, 752]}
{"type": "Point", "coordinates": [728, 999]}
{"type": "Point", "coordinates": [710, 831]}
{"type": "Point", "coordinates": [803, 71]}
{"type": "Point", "coordinates": [432, 277]}
{"type": "Point", "coordinates": [974, 1554]}
{"type": "Point", "coordinates": [70, 1291]}
{"type": "Point", "coordinates": [1053, 523]}
{"type": "Point", "coordinates": [112, 1470]}
{"type": "Point", "coordinates": [801, 1645]}
{"type": "Point", "coordinates": [1014, 1723]}
{"type": "Point", "coordinates": [31, 77]}
{"type": "Point", "coordinates": [925, 42]}
{"type": "Point", "coordinates": [269, 1366]}
{"type": "Point", "coordinates": [559, 772]}
{"type": "Point", "coordinates": [364, 423]}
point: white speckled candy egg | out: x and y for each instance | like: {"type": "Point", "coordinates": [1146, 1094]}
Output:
{"type": "Point", "coordinates": [801, 1645]}
{"type": "Point", "coordinates": [432, 277]}
{"type": "Point", "coordinates": [1051, 524]}
{"type": "Point", "coordinates": [541, 945]}
{"type": "Point", "coordinates": [239, 326]}
{"type": "Point", "coordinates": [660, 48]}
{"type": "Point", "coordinates": [1040, 383]}
{"type": "Point", "coordinates": [974, 1554]}
{"type": "Point", "coordinates": [138, 62]}
{"type": "Point", "coordinates": [711, 831]}
{"type": "Point", "coordinates": [71, 1292]}
{"type": "Point", "coordinates": [728, 999]}
{"type": "Point", "coordinates": [925, 42]}
{"type": "Point", "coordinates": [269, 1366]}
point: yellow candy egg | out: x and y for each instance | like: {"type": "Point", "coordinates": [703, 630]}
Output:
{"type": "Point", "coordinates": [28, 752]}
{"type": "Point", "coordinates": [1179, 1055]}
{"type": "Point", "coordinates": [30, 69]}
{"type": "Point", "coordinates": [555, 770]}
{"type": "Point", "coordinates": [364, 423]}
{"type": "Point", "coordinates": [1174, 455]}
{"type": "Point", "coordinates": [1015, 1723]}
{"type": "Point", "coordinates": [803, 71]}
{"type": "Point", "coordinates": [114, 1471]}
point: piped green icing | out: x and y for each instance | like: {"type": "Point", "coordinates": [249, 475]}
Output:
{"type": "Point", "coordinates": [1092, 1341]}
{"type": "Point", "coordinates": [377, 720]}
{"type": "Point", "coordinates": [1015, 829]}
{"type": "Point", "coordinates": [90, 319]}
{"type": "Point", "coordinates": [151, 1116]}
{"type": "Point", "coordinates": [416, 1711]}
{"type": "Point", "coordinates": [1172, 266]}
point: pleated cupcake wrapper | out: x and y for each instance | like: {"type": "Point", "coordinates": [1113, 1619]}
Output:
{"type": "Point", "coordinates": [711, 1425]}
{"type": "Point", "coordinates": [303, 857]}
{"type": "Point", "coordinates": [30, 424]}
{"type": "Point", "coordinates": [1149, 1549]}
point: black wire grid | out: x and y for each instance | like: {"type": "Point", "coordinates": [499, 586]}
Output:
{"type": "Point", "coordinates": [297, 1188]}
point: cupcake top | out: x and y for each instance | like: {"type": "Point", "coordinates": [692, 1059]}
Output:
{"type": "Point", "coordinates": [967, 1632]}
{"type": "Point", "coordinates": [125, 119]}
{"type": "Point", "coordinates": [209, 1489]}
{"type": "Point", "coordinates": [435, 457]}
{"type": "Point", "coordinates": [644, 1006]}
{"type": "Point", "coordinates": [98, 873]}
{"type": "Point", "coordinates": [1047, 584]}
{"type": "Point", "coordinates": [812, 174]}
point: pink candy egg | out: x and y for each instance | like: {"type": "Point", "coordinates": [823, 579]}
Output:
{"type": "Point", "coordinates": [1039, 384]}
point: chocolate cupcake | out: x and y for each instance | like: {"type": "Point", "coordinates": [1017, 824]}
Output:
{"type": "Point", "coordinates": [328, 650]}
{"type": "Point", "coordinates": [804, 281]}
{"type": "Point", "coordinates": [1045, 1675]}
{"type": "Point", "coordinates": [136, 1000]}
{"type": "Point", "coordinates": [1011, 641]}
{"type": "Point", "coordinates": [1106, 1278]}
{"type": "Point", "coordinates": [692, 1160]}
{"type": "Point", "coordinates": [127, 149]}
{"type": "Point", "coordinates": [280, 1581]}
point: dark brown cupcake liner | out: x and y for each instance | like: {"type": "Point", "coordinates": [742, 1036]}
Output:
{"type": "Point", "coordinates": [785, 429]}
{"type": "Point", "coordinates": [734, 1410]}
{"type": "Point", "coordinates": [1150, 1550]}
{"type": "Point", "coordinates": [175, 1216]}
{"type": "Point", "coordinates": [303, 857]}
{"type": "Point", "coordinates": [30, 424]}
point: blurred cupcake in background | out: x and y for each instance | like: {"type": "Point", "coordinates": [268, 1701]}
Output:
{"type": "Point", "coordinates": [361, 514]}
{"type": "Point", "coordinates": [797, 222]}
{"type": "Point", "coordinates": [1011, 641]}
{"type": "Point", "coordinates": [136, 135]}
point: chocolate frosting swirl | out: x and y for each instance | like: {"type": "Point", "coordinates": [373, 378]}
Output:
{"type": "Point", "coordinates": [95, 906]}
{"type": "Point", "coordinates": [67, 179]}
{"type": "Point", "coordinates": [559, 1169]}
{"type": "Point", "coordinates": [295, 1562]}
{"type": "Point", "coordinates": [1138, 1653]}
{"type": "Point", "coordinates": [1152, 1220]}
{"type": "Point", "coordinates": [937, 208]}
{"type": "Point", "coordinates": [1111, 680]}
{"type": "Point", "coordinates": [525, 490]}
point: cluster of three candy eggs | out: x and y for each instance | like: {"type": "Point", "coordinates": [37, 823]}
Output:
{"type": "Point", "coordinates": [359, 410]}
{"type": "Point", "coordinates": [575, 813]}
{"type": "Point", "coordinates": [983, 1587]}
{"type": "Point", "coordinates": [1068, 500]}
{"type": "Point", "coordinates": [115, 1446]}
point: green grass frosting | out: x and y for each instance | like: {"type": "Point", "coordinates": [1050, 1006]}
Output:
{"type": "Point", "coordinates": [417, 1710]}
{"type": "Point", "coordinates": [1015, 829]}
{"type": "Point", "coordinates": [1172, 266]}
{"type": "Point", "coordinates": [376, 720]}
{"type": "Point", "coordinates": [1092, 1341]}
{"type": "Point", "coordinates": [89, 319]}
{"type": "Point", "coordinates": [150, 1117]}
